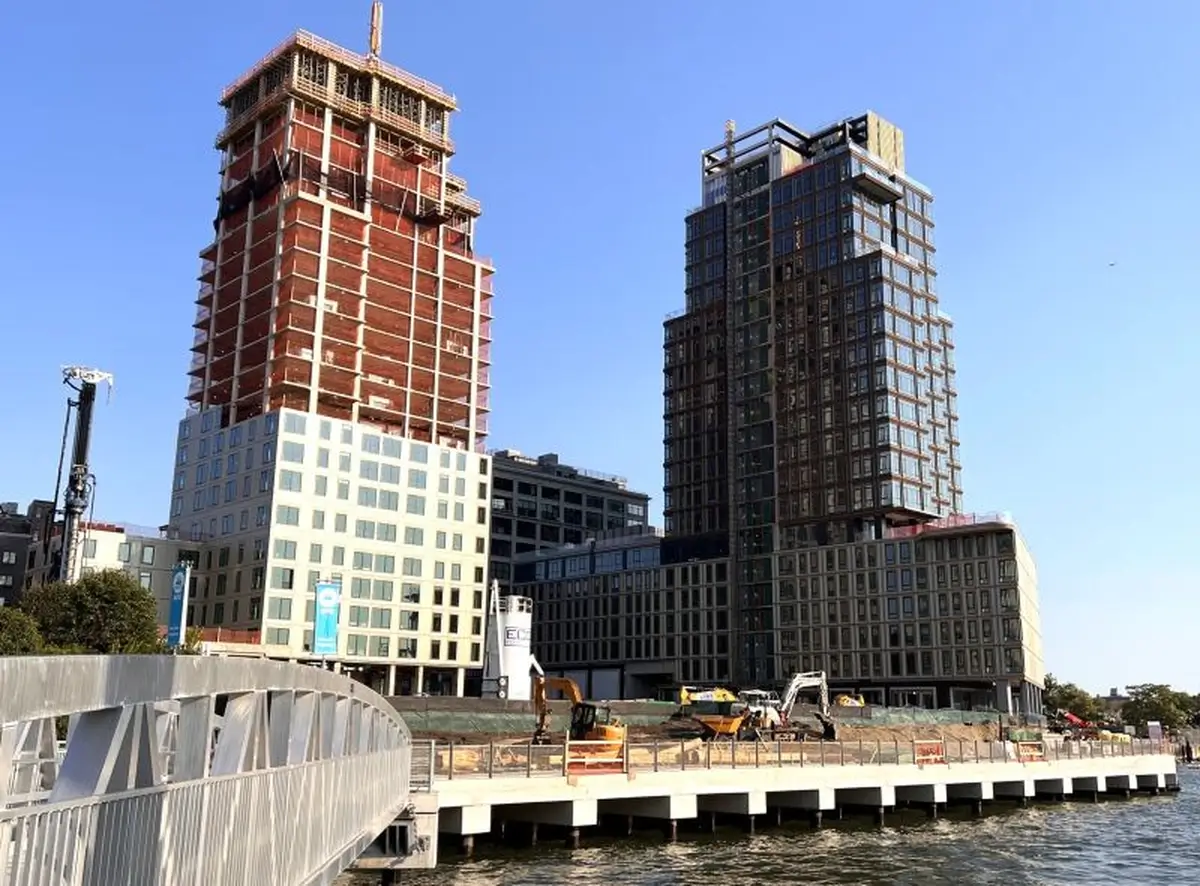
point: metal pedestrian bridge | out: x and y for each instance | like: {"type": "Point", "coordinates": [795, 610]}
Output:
{"type": "Point", "coordinates": [192, 771]}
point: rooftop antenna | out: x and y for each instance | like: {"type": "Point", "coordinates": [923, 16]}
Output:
{"type": "Point", "coordinates": [376, 29]}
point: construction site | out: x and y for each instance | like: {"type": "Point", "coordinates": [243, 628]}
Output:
{"type": "Point", "coordinates": [465, 720]}
{"type": "Point", "coordinates": [342, 278]}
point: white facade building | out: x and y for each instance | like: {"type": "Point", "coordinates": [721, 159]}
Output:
{"type": "Point", "coordinates": [287, 499]}
{"type": "Point", "coordinates": [144, 553]}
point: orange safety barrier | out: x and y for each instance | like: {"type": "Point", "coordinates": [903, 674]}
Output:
{"type": "Point", "coordinates": [929, 752]}
{"type": "Point", "coordinates": [1031, 752]}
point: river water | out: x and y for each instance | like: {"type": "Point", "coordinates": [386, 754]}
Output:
{"type": "Point", "coordinates": [1143, 840]}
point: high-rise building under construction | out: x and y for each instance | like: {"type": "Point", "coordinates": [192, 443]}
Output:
{"type": "Point", "coordinates": [809, 382]}
{"type": "Point", "coordinates": [338, 401]}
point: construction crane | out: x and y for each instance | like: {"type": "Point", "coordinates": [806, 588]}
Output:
{"type": "Point", "coordinates": [80, 481]}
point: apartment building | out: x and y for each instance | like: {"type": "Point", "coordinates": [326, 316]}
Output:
{"type": "Point", "coordinates": [612, 616]}
{"type": "Point", "coordinates": [26, 556]}
{"type": "Point", "coordinates": [943, 614]}
{"type": "Point", "coordinates": [540, 503]}
{"type": "Point", "coordinates": [339, 388]}
{"type": "Point", "coordinates": [810, 429]}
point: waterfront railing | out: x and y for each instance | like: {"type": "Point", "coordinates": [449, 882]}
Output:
{"type": "Point", "coordinates": [448, 761]}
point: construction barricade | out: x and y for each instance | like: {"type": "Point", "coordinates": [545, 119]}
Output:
{"type": "Point", "coordinates": [1031, 752]}
{"type": "Point", "coordinates": [929, 753]}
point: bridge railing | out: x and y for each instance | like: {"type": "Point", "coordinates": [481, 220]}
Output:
{"type": "Point", "coordinates": [526, 760]}
{"type": "Point", "coordinates": [191, 770]}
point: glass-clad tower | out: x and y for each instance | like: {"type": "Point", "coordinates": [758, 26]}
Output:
{"type": "Point", "coordinates": [809, 382]}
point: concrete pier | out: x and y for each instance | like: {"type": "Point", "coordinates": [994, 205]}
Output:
{"type": "Point", "coordinates": [699, 784]}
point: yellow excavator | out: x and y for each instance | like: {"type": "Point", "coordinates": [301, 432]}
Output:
{"type": "Point", "coordinates": [590, 722]}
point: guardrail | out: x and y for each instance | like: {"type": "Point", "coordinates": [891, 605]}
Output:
{"type": "Point", "coordinates": [448, 762]}
{"type": "Point", "coordinates": [191, 770]}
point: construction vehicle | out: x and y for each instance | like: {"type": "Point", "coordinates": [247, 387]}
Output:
{"type": "Point", "coordinates": [771, 716]}
{"type": "Point", "coordinates": [80, 481]}
{"type": "Point", "coordinates": [590, 722]}
{"type": "Point", "coordinates": [719, 712]}
{"type": "Point", "coordinates": [850, 701]}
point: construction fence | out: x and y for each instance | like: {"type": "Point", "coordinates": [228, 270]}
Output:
{"type": "Point", "coordinates": [526, 760]}
{"type": "Point", "coordinates": [516, 718]}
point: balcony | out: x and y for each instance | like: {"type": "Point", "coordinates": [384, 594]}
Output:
{"type": "Point", "coordinates": [878, 186]}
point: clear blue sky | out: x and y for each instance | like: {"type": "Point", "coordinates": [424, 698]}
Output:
{"type": "Point", "coordinates": [1058, 139]}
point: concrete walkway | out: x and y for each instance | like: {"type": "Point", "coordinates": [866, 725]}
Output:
{"type": "Point", "coordinates": [483, 789]}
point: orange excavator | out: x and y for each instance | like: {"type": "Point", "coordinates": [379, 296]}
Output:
{"type": "Point", "coordinates": [590, 722]}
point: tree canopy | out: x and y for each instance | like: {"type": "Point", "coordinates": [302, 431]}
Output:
{"type": "Point", "coordinates": [18, 633]}
{"type": "Point", "coordinates": [1158, 701]}
{"type": "Point", "coordinates": [104, 612]}
{"type": "Point", "coordinates": [1069, 697]}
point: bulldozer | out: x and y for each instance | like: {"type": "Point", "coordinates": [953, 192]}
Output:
{"type": "Point", "coordinates": [590, 722]}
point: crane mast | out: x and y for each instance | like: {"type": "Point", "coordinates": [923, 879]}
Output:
{"type": "Point", "coordinates": [79, 476]}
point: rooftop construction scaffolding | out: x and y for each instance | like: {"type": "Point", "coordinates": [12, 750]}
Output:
{"type": "Point", "coordinates": [343, 277]}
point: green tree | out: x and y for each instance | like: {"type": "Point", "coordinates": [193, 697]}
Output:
{"type": "Point", "coordinates": [18, 633]}
{"type": "Point", "coordinates": [1069, 697]}
{"type": "Point", "coordinates": [105, 612]}
{"type": "Point", "coordinates": [1157, 701]}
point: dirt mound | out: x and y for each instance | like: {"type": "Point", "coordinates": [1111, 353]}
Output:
{"type": "Point", "coordinates": [917, 732]}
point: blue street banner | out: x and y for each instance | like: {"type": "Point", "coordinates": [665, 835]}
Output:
{"type": "Point", "coordinates": [325, 625]}
{"type": "Point", "coordinates": [177, 626]}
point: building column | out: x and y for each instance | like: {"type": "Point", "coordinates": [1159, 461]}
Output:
{"type": "Point", "coordinates": [391, 681]}
{"type": "Point", "coordinates": [420, 687]}
{"type": "Point", "coordinates": [460, 681]}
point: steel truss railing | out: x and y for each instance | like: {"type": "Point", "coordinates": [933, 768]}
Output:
{"type": "Point", "coordinates": [190, 770]}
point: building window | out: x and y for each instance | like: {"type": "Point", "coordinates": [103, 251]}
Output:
{"type": "Point", "coordinates": [147, 555]}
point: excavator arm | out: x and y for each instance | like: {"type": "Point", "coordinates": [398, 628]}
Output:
{"type": "Point", "coordinates": [807, 680]}
{"type": "Point", "coordinates": [541, 705]}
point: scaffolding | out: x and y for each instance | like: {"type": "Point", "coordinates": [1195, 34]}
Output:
{"type": "Point", "coordinates": [343, 279]}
